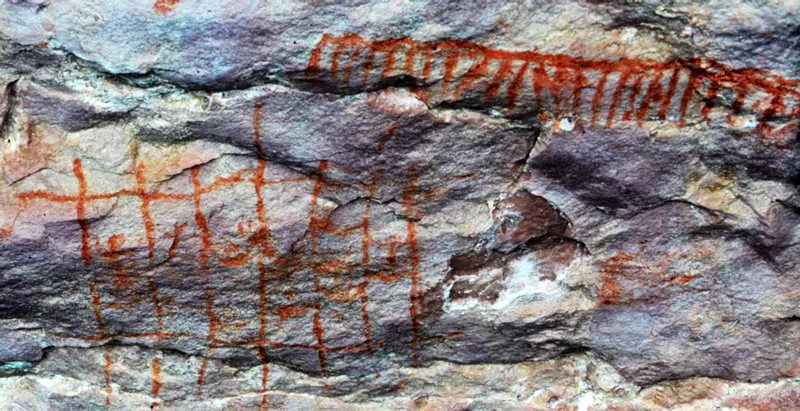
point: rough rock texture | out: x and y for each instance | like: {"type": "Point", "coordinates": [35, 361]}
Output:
{"type": "Point", "coordinates": [417, 204]}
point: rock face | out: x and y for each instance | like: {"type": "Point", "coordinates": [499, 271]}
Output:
{"type": "Point", "coordinates": [428, 205]}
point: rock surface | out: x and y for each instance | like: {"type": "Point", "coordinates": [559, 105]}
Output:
{"type": "Point", "coordinates": [419, 204]}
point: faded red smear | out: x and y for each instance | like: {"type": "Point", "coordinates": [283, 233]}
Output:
{"type": "Point", "coordinates": [610, 291]}
{"type": "Point", "coordinates": [107, 361]}
{"type": "Point", "coordinates": [291, 311]}
{"type": "Point", "coordinates": [165, 6]}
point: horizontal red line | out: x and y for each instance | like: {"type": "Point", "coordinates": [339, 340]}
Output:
{"type": "Point", "coordinates": [217, 185]}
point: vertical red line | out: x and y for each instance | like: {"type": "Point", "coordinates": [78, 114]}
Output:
{"type": "Point", "coordinates": [319, 332]}
{"type": "Point", "coordinates": [691, 85]}
{"type": "Point", "coordinates": [740, 96]}
{"type": "Point", "coordinates": [776, 106]}
{"type": "Point", "coordinates": [536, 86]}
{"type": "Point", "coordinates": [200, 218]}
{"type": "Point", "coordinates": [205, 246]}
{"type": "Point", "coordinates": [516, 83]}
{"type": "Point", "coordinates": [427, 63]}
{"type": "Point", "coordinates": [348, 68]}
{"type": "Point", "coordinates": [97, 308]}
{"type": "Point", "coordinates": [262, 353]}
{"type": "Point", "coordinates": [598, 96]}
{"type": "Point", "coordinates": [366, 241]}
{"type": "Point", "coordinates": [475, 72]}
{"type": "Point", "coordinates": [411, 51]}
{"type": "Point", "coordinates": [337, 53]}
{"type": "Point", "coordinates": [673, 85]}
{"type": "Point", "coordinates": [710, 100]}
{"type": "Point", "coordinates": [413, 251]}
{"type": "Point", "coordinates": [313, 220]}
{"type": "Point", "coordinates": [502, 73]}
{"type": "Point", "coordinates": [559, 82]}
{"type": "Point", "coordinates": [541, 81]}
{"type": "Point", "coordinates": [579, 83]}
{"type": "Point", "coordinates": [263, 233]}
{"type": "Point", "coordinates": [107, 362]}
{"type": "Point", "coordinates": [262, 296]}
{"type": "Point", "coordinates": [258, 113]}
{"type": "Point", "coordinates": [205, 249]}
{"type": "Point", "coordinates": [637, 88]}
{"type": "Point", "coordinates": [366, 238]}
{"type": "Point", "coordinates": [391, 257]}
{"type": "Point", "coordinates": [115, 242]}
{"type": "Point", "coordinates": [368, 65]}
{"type": "Point", "coordinates": [201, 374]}
{"type": "Point", "coordinates": [316, 54]}
{"type": "Point", "coordinates": [157, 306]}
{"type": "Point", "coordinates": [652, 94]}
{"type": "Point", "coordinates": [314, 226]}
{"type": "Point", "coordinates": [80, 210]}
{"type": "Point", "coordinates": [450, 63]}
{"type": "Point", "coordinates": [388, 65]}
{"type": "Point", "coordinates": [266, 251]}
{"type": "Point", "coordinates": [144, 197]}
{"type": "Point", "coordinates": [155, 382]}
{"type": "Point", "coordinates": [176, 240]}
{"type": "Point", "coordinates": [364, 296]}
{"type": "Point", "coordinates": [612, 109]}
{"type": "Point", "coordinates": [741, 93]}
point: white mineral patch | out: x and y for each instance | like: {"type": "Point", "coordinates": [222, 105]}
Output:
{"type": "Point", "coordinates": [566, 124]}
{"type": "Point", "coordinates": [524, 285]}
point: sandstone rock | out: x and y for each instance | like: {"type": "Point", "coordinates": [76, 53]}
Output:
{"type": "Point", "coordinates": [426, 205]}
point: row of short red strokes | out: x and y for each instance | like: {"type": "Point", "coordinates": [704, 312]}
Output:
{"type": "Point", "coordinates": [597, 93]}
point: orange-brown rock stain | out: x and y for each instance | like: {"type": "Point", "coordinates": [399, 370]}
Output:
{"type": "Point", "coordinates": [651, 273]}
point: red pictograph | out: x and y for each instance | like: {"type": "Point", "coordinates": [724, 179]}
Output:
{"type": "Point", "coordinates": [341, 276]}
{"type": "Point", "coordinates": [631, 277]}
{"type": "Point", "coordinates": [596, 93]}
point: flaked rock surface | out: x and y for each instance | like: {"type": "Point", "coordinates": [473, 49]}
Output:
{"type": "Point", "coordinates": [393, 205]}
